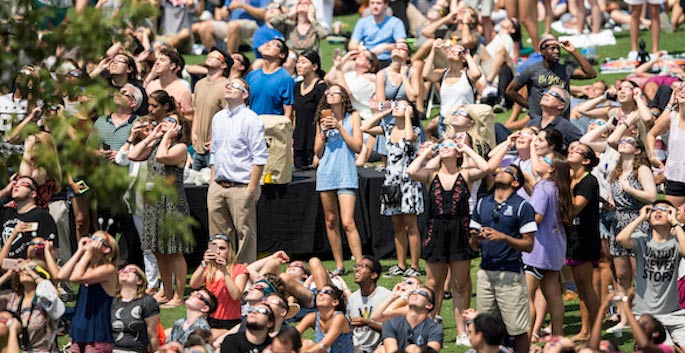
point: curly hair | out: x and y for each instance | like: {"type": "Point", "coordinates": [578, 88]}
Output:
{"type": "Point", "coordinates": [323, 103]}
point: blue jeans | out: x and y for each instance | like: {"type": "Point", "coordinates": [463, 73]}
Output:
{"type": "Point", "coordinates": [200, 161]}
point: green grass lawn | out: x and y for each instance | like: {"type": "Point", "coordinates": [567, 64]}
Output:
{"type": "Point", "coordinates": [571, 320]}
{"type": "Point", "coordinates": [669, 42]}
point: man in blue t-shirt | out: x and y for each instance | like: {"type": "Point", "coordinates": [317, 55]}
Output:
{"type": "Point", "coordinates": [502, 226]}
{"type": "Point", "coordinates": [271, 87]}
{"type": "Point", "coordinates": [243, 17]}
{"type": "Point", "coordinates": [379, 32]}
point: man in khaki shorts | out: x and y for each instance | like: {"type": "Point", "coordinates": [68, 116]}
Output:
{"type": "Point", "coordinates": [245, 17]}
{"type": "Point", "coordinates": [502, 226]}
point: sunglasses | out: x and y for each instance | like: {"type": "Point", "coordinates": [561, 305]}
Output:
{"type": "Point", "coordinates": [422, 293]}
{"type": "Point", "coordinates": [401, 47]}
{"type": "Point", "coordinates": [449, 144]}
{"type": "Point", "coordinates": [238, 86]}
{"type": "Point", "coordinates": [660, 208]}
{"type": "Point", "coordinates": [199, 295]}
{"type": "Point", "coordinates": [130, 270]}
{"type": "Point", "coordinates": [280, 303]}
{"type": "Point", "coordinates": [26, 185]}
{"type": "Point", "coordinates": [549, 45]}
{"type": "Point", "coordinates": [216, 55]}
{"type": "Point", "coordinates": [548, 160]}
{"type": "Point", "coordinates": [463, 113]}
{"type": "Point", "coordinates": [579, 150]}
{"type": "Point", "coordinates": [223, 237]}
{"type": "Point", "coordinates": [169, 119]}
{"type": "Point", "coordinates": [101, 240]}
{"type": "Point", "coordinates": [328, 292]}
{"type": "Point", "coordinates": [296, 265]}
{"type": "Point", "coordinates": [260, 287]}
{"type": "Point", "coordinates": [329, 92]}
{"type": "Point", "coordinates": [555, 94]}
{"type": "Point", "coordinates": [121, 60]}
{"type": "Point", "coordinates": [36, 242]}
{"type": "Point", "coordinates": [627, 141]}
{"type": "Point", "coordinates": [75, 73]}
{"type": "Point", "coordinates": [261, 310]}
{"type": "Point", "coordinates": [508, 170]}
{"type": "Point", "coordinates": [127, 95]}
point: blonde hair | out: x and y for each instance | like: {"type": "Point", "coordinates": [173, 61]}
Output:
{"type": "Point", "coordinates": [212, 266]}
{"type": "Point", "coordinates": [482, 131]}
{"type": "Point", "coordinates": [45, 149]}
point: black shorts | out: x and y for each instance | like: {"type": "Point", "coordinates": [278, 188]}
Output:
{"type": "Point", "coordinates": [222, 324]}
{"type": "Point", "coordinates": [675, 188]}
{"type": "Point", "coordinates": [536, 272]}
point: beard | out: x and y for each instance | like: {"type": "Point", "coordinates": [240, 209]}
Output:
{"type": "Point", "coordinates": [502, 186]}
{"type": "Point", "coordinates": [255, 326]}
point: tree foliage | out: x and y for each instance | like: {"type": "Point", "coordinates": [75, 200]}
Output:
{"type": "Point", "coordinates": [28, 40]}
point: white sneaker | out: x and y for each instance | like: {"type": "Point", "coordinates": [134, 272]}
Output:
{"type": "Point", "coordinates": [489, 91]}
{"type": "Point", "coordinates": [463, 340]}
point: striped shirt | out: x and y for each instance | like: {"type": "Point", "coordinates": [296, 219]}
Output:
{"type": "Point", "coordinates": [114, 136]}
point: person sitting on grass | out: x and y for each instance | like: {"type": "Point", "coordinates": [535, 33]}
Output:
{"type": "Point", "coordinates": [486, 332]}
{"type": "Point", "coordinates": [199, 305]}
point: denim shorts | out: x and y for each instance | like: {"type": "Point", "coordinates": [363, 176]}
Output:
{"type": "Point", "coordinates": [346, 192]}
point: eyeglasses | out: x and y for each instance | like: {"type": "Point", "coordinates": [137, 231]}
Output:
{"type": "Point", "coordinates": [496, 210]}
{"type": "Point", "coordinates": [555, 94]}
{"type": "Point", "coordinates": [508, 170]}
{"type": "Point", "coordinates": [101, 240]}
{"type": "Point", "coordinates": [197, 294]}
{"type": "Point", "coordinates": [238, 86]}
{"type": "Point", "coordinates": [463, 113]}
{"type": "Point", "coordinates": [330, 91]}
{"type": "Point", "coordinates": [363, 265]}
{"type": "Point", "coordinates": [169, 119]}
{"type": "Point", "coordinates": [628, 141]}
{"type": "Point", "coordinates": [422, 293]}
{"type": "Point", "coordinates": [261, 310]}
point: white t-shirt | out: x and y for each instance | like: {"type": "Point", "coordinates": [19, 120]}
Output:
{"type": "Point", "coordinates": [365, 339]}
{"type": "Point", "coordinates": [502, 39]}
{"type": "Point", "coordinates": [8, 107]}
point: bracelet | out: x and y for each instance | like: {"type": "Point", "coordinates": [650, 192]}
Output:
{"type": "Point", "coordinates": [129, 142]}
{"type": "Point", "coordinates": [624, 123]}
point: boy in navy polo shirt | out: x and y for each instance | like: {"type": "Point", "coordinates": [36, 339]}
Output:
{"type": "Point", "coordinates": [502, 226]}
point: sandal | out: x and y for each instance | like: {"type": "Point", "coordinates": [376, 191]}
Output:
{"type": "Point", "coordinates": [338, 272]}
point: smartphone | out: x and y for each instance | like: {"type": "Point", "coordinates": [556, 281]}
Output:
{"type": "Point", "coordinates": [33, 226]}
{"type": "Point", "coordinates": [106, 147]}
{"type": "Point", "coordinates": [39, 250]}
{"type": "Point", "coordinates": [83, 185]}
{"type": "Point", "coordinates": [213, 248]}
{"type": "Point", "coordinates": [10, 264]}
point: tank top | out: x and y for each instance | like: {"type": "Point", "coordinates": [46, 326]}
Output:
{"type": "Point", "coordinates": [675, 164]}
{"type": "Point", "coordinates": [343, 344]}
{"type": "Point", "coordinates": [394, 92]}
{"type": "Point", "coordinates": [362, 90]}
{"type": "Point", "coordinates": [449, 204]}
{"type": "Point", "coordinates": [337, 169]}
{"type": "Point", "coordinates": [453, 95]}
{"type": "Point", "coordinates": [91, 321]}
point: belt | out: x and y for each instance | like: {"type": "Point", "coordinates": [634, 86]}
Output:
{"type": "Point", "coordinates": [229, 184]}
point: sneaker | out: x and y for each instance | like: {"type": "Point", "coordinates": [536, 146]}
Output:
{"type": "Point", "coordinates": [338, 272]}
{"type": "Point", "coordinates": [618, 327]}
{"type": "Point", "coordinates": [489, 91]}
{"type": "Point", "coordinates": [395, 271]}
{"type": "Point", "coordinates": [463, 340]}
{"type": "Point", "coordinates": [438, 319]}
{"type": "Point", "coordinates": [498, 108]}
{"type": "Point", "coordinates": [447, 295]}
{"type": "Point", "coordinates": [412, 272]}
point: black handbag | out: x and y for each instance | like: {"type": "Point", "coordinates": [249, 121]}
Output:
{"type": "Point", "coordinates": [391, 194]}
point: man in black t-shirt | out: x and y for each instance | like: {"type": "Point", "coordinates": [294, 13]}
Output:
{"type": "Point", "coordinates": [540, 76]}
{"type": "Point", "coordinates": [21, 224]}
{"type": "Point", "coordinates": [260, 320]}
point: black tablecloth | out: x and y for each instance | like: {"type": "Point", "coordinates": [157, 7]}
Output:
{"type": "Point", "coordinates": [290, 217]}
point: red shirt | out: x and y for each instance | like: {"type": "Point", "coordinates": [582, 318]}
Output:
{"type": "Point", "coordinates": [227, 308]}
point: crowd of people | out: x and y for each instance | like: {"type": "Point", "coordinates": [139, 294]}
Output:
{"type": "Point", "coordinates": [563, 199]}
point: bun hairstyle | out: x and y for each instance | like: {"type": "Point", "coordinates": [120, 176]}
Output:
{"type": "Point", "coordinates": [315, 59]}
